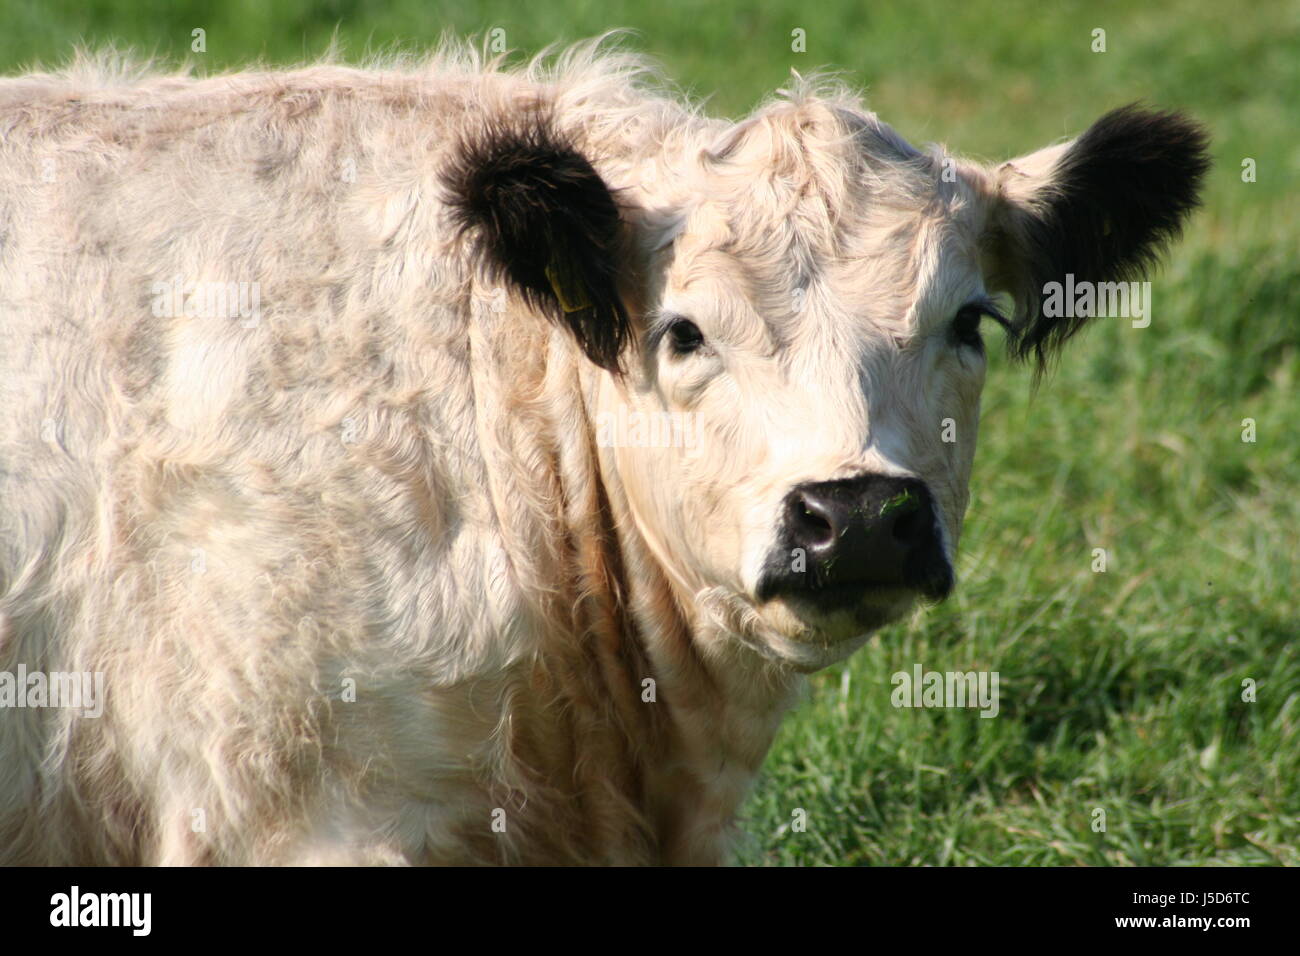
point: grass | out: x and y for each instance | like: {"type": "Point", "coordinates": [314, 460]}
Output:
{"type": "Point", "coordinates": [1121, 691]}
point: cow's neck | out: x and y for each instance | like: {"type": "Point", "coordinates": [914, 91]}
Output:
{"type": "Point", "coordinates": [677, 734]}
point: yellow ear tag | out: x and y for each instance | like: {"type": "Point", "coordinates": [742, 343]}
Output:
{"type": "Point", "coordinates": [571, 296]}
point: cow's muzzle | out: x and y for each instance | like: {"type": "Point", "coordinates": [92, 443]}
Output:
{"type": "Point", "coordinates": [843, 542]}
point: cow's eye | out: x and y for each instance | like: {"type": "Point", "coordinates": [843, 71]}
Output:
{"type": "Point", "coordinates": [684, 336]}
{"type": "Point", "coordinates": [966, 326]}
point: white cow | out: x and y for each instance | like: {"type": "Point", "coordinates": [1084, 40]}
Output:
{"type": "Point", "coordinates": [444, 464]}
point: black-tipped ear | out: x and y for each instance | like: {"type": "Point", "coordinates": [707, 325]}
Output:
{"type": "Point", "coordinates": [545, 222]}
{"type": "Point", "coordinates": [1100, 209]}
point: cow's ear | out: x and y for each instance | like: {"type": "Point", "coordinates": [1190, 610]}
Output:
{"type": "Point", "coordinates": [1101, 209]}
{"type": "Point", "coordinates": [544, 221]}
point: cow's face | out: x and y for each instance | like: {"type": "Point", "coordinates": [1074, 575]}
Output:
{"type": "Point", "coordinates": [793, 396]}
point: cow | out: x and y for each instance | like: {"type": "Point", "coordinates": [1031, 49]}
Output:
{"type": "Point", "coordinates": [326, 449]}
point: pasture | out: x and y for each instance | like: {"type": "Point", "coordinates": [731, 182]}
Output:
{"type": "Point", "coordinates": [1121, 690]}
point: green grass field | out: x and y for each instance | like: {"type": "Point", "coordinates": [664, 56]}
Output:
{"type": "Point", "coordinates": [1121, 691]}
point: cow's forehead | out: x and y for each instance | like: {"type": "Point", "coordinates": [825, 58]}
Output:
{"type": "Point", "coordinates": [818, 202]}
{"type": "Point", "coordinates": [824, 170]}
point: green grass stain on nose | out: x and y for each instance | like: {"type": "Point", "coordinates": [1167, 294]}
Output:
{"type": "Point", "coordinates": [902, 500]}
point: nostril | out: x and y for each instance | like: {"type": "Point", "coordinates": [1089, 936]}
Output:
{"type": "Point", "coordinates": [907, 527]}
{"type": "Point", "coordinates": [811, 525]}
{"type": "Point", "coordinates": [813, 519]}
{"type": "Point", "coordinates": [902, 513]}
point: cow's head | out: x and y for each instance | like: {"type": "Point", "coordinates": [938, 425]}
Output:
{"type": "Point", "coordinates": [788, 314]}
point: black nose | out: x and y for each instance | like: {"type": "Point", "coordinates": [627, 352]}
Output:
{"type": "Point", "coordinates": [843, 538]}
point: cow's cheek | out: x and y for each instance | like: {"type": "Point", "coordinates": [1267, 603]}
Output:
{"type": "Point", "coordinates": [709, 495]}
{"type": "Point", "coordinates": [673, 511]}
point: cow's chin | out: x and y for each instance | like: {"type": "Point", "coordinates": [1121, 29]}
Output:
{"type": "Point", "coordinates": [809, 638]}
